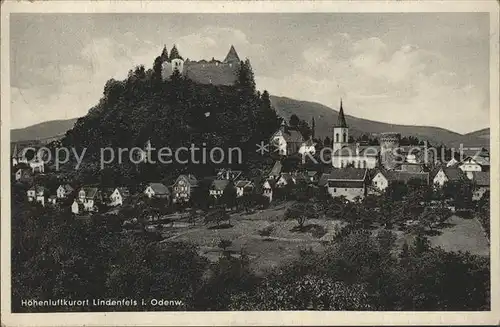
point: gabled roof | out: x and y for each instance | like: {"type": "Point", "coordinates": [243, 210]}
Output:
{"type": "Point", "coordinates": [190, 178]}
{"type": "Point", "coordinates": [159, 188]}
{"type": "Point", "coordinates": [357, 174]}
{"type": "Point", "coordinates": [483, 161]}
{"type": "Point", "coordinates": [452, 173]}
{"type": "Point", "coordinates": [287, 177]}
{"type": "Point", "coordinates": [276, 170]}
{"type": "Point", "coordinates": [124, 191]}
{"type": "Point", "coordinates": [345, 184]}
{"type": "Point", "coordinates": [481, 178]}
{"type": "Point", "coordinates": [232, 56]}
{"type": "Point", "coordinates": [405, 176]}
{"type": "Point", "coordinates": [90, 192]}
{"type": "Point", "coordinates": [292, 135]}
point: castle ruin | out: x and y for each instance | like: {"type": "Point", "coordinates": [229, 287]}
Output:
{"type": "Point", "coordinates": [214, 72]}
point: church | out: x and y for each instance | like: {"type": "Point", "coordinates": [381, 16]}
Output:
{"type": "Point", "coordinates": [345, 154]}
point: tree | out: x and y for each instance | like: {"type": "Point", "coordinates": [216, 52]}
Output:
{"type": "Point", "coordinates": [294, 121]}
{"type": "Point", "coordinates": [301, 211]}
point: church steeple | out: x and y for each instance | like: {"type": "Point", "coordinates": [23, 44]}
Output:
{"type": "Point", "coordinates": [341, 120]}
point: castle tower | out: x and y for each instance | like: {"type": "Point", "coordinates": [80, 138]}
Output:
{"type": "Point", "coordinates": [389, 144]}
{"type": "Point", "coordinates": [232, 56]}
{"type": "Point", "coordinates": [340, 131]}
{"type": "Point", "coordinates": [176, 60]}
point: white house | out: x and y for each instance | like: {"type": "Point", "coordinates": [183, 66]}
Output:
{"type": "Point", "coordinates": [77, 207]}
{"type": "Point", "coordinates": [308, 147]}
{"type": "Point", "coordinates": [243, 187]}
{"type": "Point", "coordinates": [37, 193]}
{"type": "Point", "coordinates": [118, 195]}
{"type": "Point", "coordinates": [64, 190]}
{"type": "Point", "coordinates": [383, 179]}
{"type": "Point", "coordinates": [89, 197]}
{"type": "Point", "coordinates": [37, 166]}
{"type": "Point", "coordinates": [267, 189]}
{"type": "Point", "coordinates": [474, 164]}
{"type": "Point", "coordinates": [347, 182]}
{"type": "Point", "coordinates": [157, 190]}
{"type": "Point", "coordinates": [445, 174]}
{"type": "Point", "coordinates": [286, 141]}
{"type": "Point", "coordinates": [285, 179]}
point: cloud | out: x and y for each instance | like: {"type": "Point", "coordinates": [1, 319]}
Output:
{"type": "Point", "coordinates": [408, 85]}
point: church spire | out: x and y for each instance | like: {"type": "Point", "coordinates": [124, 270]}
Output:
{"type": "Point", "coordinates": [341, 120]}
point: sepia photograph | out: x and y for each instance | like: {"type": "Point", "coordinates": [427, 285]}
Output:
{"type": "Point", "coordinates": [257, 158]}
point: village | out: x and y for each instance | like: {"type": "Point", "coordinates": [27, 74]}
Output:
{"type": "Point", "coordinates": [355, 171]}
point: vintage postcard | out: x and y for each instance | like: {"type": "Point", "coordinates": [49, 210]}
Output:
{"type": "Point", "coordinates": [250, 163]}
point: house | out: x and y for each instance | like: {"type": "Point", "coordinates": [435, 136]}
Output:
{"type": "Point", "coordinates": [275, 172]}
{"type": "Point", "coordinates": [156, 190]}
{"type": "Point", "coordinates": [266, 189]}
{"type": "Point", "coordinates": [23, 175]}
{"type": "Point", "coordinates": [52, 200]}
{"type": "Point", "coordinates": [219, 187]}
{"type": "Point", "coordinates": [64, 190]}
{"type": "Point", "coordinates": [446, 174]}
{"type": "Point", "coordinates": [89, 197]}
{"type": "Point", "coordinates": [37, 194]}
{"type": "Point", "coordinates": [37, 165]}
{"type": "Point", "coordinates": [347, 182]}
{"type": "Point", "coordinates": [481, 182]}
{"type": "Point", "coordinates": [183, 188]}
{"type": "Point", "coordinates": [285, 179]}
{"type": "Point", "coordinates": [77, 207]}
{"type": "Point", "coordinates": [308, 147]}
{"type": "Point", "coordinates": [244, 187]}
{"type": "Point", "coordinates": [474, 164]}
{"type": "Point", "coordinates": [118, 195]}
{"type": "Point", "coordinates": [286, 141]}
{"type": "Point", "coordinates": [17, 155]}
{"type": "Point", "coordinates": [383, 179]}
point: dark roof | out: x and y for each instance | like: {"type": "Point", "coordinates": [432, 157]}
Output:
{"type": "Point", "coordinates": [453, 173]}
{"type": "Point", "coordinates": [287, 177]}
{"type": "Point", "coordinates": [341, 119]}
{"type": "Point", "coordinates": [311, 173]}
{"type": "Point", "coordinates": [90, 192]}
{"type": "Point", "coordinates": [37, 188]}
{"type": "Point", "coordinates": [232, 56]}
{"type": "Point", "coordinates": [483, 161]}
{"type": "Point", "coordinates": [124, 191]}
{"type": "Point", "coordinates": [276, 170]}
{"type": "Point", "coordinates": [358, 174]}
{"type": "Point", "coordinates": [405, 176]}
{"type": "Point", "coordinates": [345, 184]}
{"type": "Point", "coordinates": [481, 178]}
{"type": "Point", "coordinates": [159, 188]}
{"type": "Point", "coordinates": [292, 135]}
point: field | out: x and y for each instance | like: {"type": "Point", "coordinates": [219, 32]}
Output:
{"type": "Point", "coordinates": [270, 241]}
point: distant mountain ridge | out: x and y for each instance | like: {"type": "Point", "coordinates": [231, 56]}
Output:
{"type": "Point", "coordinates": [325, 117]}
{"type": "Point", "coordinates": [285, 107]}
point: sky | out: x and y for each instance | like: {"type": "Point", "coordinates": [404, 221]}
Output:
{"type": "Point", "coordinates": [404, 68]}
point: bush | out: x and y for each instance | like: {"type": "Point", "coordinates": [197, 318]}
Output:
{"type": "Point", "coordinates": [266, 231]}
